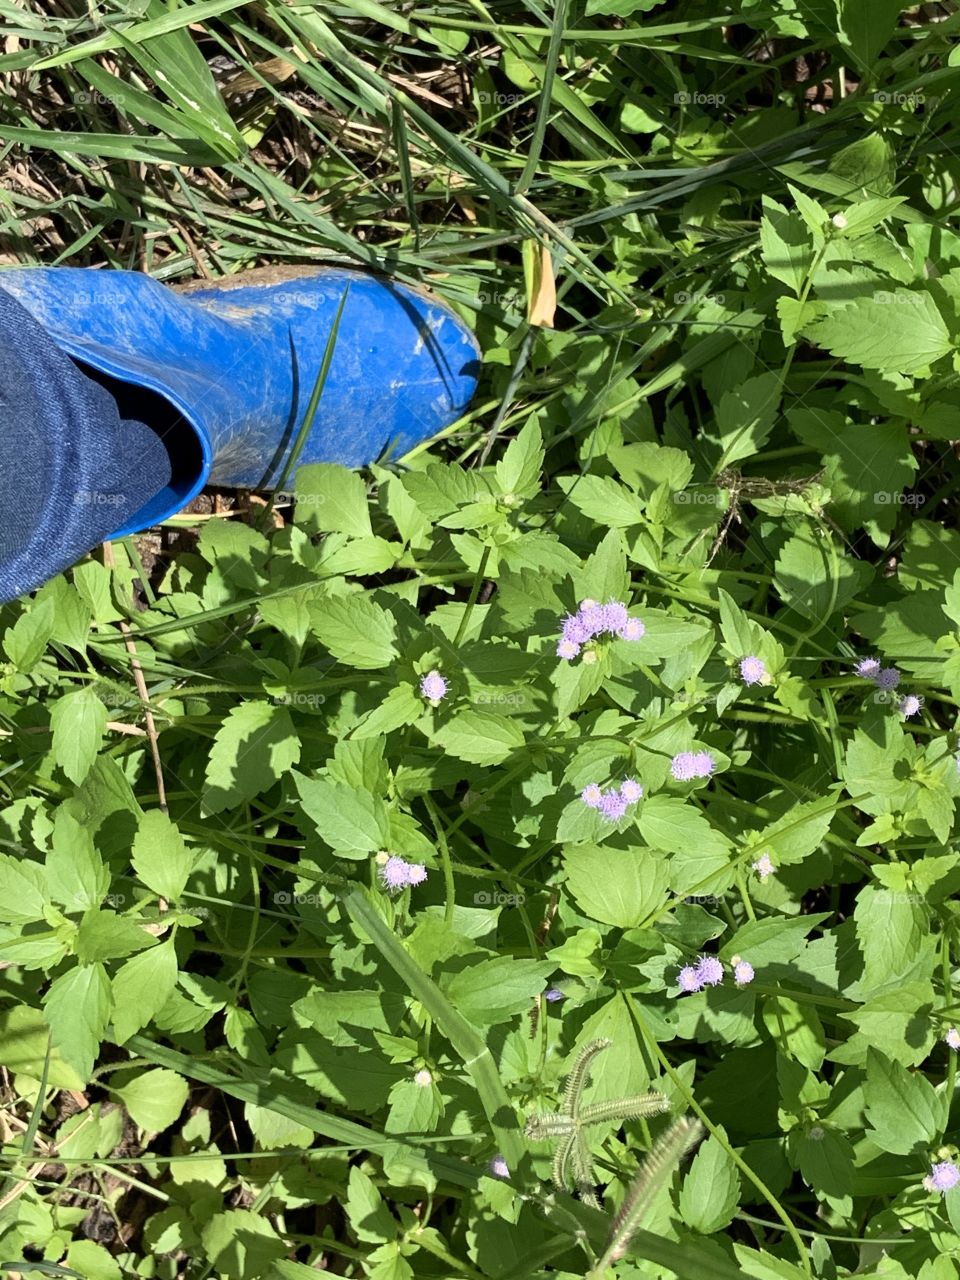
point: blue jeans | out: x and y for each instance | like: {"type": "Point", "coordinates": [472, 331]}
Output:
{"type": "Point", "coordinates": [72, 465]}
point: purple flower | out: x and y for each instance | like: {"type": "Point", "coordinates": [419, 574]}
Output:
{"type": "Point", "coordinates": [887, 678]}
{"type": "Point", "coordinates": [631, 791]}
{"type": "Point", "coordinates": [752, 670]}
{"type": "Point", "coordinates": [612, 805]}
{"type": "Point", "coordinates": [703, 764]}
{"type": "Point", "coordinates": [943, 1176]}
{"type": "Point", "coordinates": [393, 874]}
{"type": "Point", "coordinates": [498, 1167]}
{"type": "Point", "coordinates": [593, 617]}
{"type": "Point", "coordinates": [763, 866]}
{"type": "Point", "coordinates": [615, 616]}
{"type": "Point", "coordinates": [743, 972]}
{"type": "Point", "coordinates": [692, 764]}
{"type": "Point", "coordinates": [575, 630]}
{"type": "Point", "coordinates": [552, 994]}
{"type": "Point", "coordinates": [709, 971]}
{"type": "Point", "coordinates": [688, 979]}
{"type": "Point", "coordinates": [592, 796]}
{"type": "Point", "coordinates": [910, 705]}
{"type": "Point", "coordinates": [868, 668]}
{"type": "Point", "coordinates": [684, 766]}
{"type": "Point", "coordinates": [433, 687]}
{"type": "Point", "coordinates": [953, 1038]}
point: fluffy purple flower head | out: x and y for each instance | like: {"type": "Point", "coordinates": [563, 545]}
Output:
{"type": "Point", "coordinates": [433, 687]}
{"type": "Point", "coordinates": [592, 796]}
{"type": "Point", "coordinates": [393, 873]}
{"type": "Point", "coordinates": [593, 618]}
{"type": "Point", "coordinates": [952, 1038]}
{"type": "Point", "coordinates": [703, 764]}
{"type": "Point", "coordinates": [763, 866]}
{"type": "Point", "coordinates": [612, 805]}
{"type": "Point", "coordinates": [498, 1167]}
{"type": "Point", "coordinates": [684, 766]}
{"type": "Point", "coordinates": [943, 1176]}
{"type": "Point", "coordinates": [552, 994]}
{"type": "Point", "coordinates": [709, 971]}
{"type": "Point", "coordinates": [910, 705]}
{"type": "Point", "coordinates": [752, 670]}
{"type": "Point", "coordinates": [632, 629]}
{"type": "Point", "coordinates": [631, 791]}
{"type": "Point", "coordinates": [575, 630]}
{"type": "Point", "coordinates": [615, 616]}
{"type": "Point", "coordinates": [416, 873]}
{"type": "Point", "coordinates": [743, 972]}
{"type": "Point", "coordinates": [888, 678]}
{"type": "Point", "coordinates": [868, 668]}
{"type": "Point", "coordinates": [688, 979]}
{"type": "Point", "coordinates": [692, 764]}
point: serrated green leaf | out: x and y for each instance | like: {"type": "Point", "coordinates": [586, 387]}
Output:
{"type": "Point", "coordinates": [897, 331]}
{"type": "Point", "coordinates": [78, 720]}
{"type": "Point", "coordinates": [518, 472]}
{"type": "Point", "coordinates": [480, 737]}
{"type": "Point", "coordinates": [24, 890]}
{"type": "Point", "coordinates": [356, 630]}
{"type": "Point", "coordinates": [491, 991]}
{"type": "Point", "coordinates": [26, 640]}
{"type": "Point", "coordinates": [332, 499]}
{"type": "Point", "coordinates": [902, 1107]}
{"type": "Point", "coordinates": [77, 1008]}
{"type": "Point", "coordinates": [141, 987]}
{"type": "Point", "coordinates": [745, 417]}
{"type": "Point", "coordinates": [350, 820]}
{"type": "Point", "coordinates": [711, 1189]}
{"type": "Point", "coordinates": [786, 245]}
{"type": "Point", "coordinates": [103, 935]}
{"type": "Point", "coordinates": [160, 857]}
{"type": "Point", "coordinates": [253, 749]}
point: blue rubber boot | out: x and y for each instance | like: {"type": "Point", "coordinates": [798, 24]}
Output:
{"type": "Point", "coordinates": [224, 371]}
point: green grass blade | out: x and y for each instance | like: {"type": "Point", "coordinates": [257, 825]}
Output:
{"type": "Point", "coordinates": [268, 1092]}
{"type": "Point", "coordinates": [307, 423]}
{"type": "Point", "coordinates": [466, 1040]}
{"type": "Point", "coordinates": [140, 31]}
{"type": "Point", "coordinates": [139, 148]}
{"type": "Point", "coordinates": [546, 98]}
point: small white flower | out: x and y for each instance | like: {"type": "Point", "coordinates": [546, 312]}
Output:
{"type": "Point", "coordinates": [423, 1078]}
{"type": "Point", "coordinates": [763, 866]}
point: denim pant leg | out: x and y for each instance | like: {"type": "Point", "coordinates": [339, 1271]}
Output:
{"type": "Point", "coordinates": [71, 469]}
